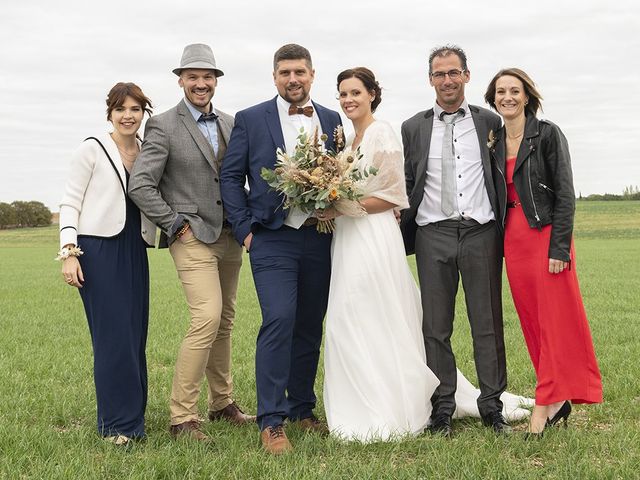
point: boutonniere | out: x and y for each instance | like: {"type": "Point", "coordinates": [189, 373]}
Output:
{"type": "Point", "coordinates": [491, 143]}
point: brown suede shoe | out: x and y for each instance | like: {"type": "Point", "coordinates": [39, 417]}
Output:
{"type": "Point", "coordinates": [189, 429]}
{"type": "Point", "coordinates": [275, 441]}
{"type": "Point", "coordinates": [313, 425]}
{"type": "Point", "coordinates": [233, 414]}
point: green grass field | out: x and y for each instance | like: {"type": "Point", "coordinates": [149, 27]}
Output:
{"type": "Point", "coordinates": [47, 400]}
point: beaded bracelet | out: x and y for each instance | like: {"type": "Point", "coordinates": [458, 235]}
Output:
{"type": "Point", "coordinates": [66, 252]}
{"type": "Point", "coordinates": [182, 230]}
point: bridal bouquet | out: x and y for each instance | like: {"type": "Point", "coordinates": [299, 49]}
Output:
{"type": "Point", "coordinates": [313, 178]}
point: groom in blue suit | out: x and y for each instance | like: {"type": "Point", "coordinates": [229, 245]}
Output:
{"type": "Point", "coordinates": [290, 260]}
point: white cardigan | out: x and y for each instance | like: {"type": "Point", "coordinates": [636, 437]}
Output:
{"type": "Point", "coordinates": [94, 198]}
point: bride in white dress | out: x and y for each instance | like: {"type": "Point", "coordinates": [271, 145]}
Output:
{"type": "Point", "coordinates": [377, 385]}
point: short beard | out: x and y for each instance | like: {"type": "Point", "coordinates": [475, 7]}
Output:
{"type": "Point", "coordinates": [305, 97]}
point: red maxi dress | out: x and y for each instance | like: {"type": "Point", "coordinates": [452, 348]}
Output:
{"type": "Point", "coordinates": [552, 315]}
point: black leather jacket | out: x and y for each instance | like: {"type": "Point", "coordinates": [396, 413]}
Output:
{"type": "Point", "coordinates": [543, 180]}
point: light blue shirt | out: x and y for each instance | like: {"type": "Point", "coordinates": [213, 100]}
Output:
{"type": "Point", "coordinates": [208, 127]}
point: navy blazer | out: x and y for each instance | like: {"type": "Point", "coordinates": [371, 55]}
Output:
{"type": "Point", "coordinates": [256, 135]}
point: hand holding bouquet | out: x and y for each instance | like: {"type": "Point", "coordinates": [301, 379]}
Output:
{"type": "Point", "coordinates": [313, 178]}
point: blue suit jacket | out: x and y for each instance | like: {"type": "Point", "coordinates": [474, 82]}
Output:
{"type": "Point", "coordinates": [256, 135]}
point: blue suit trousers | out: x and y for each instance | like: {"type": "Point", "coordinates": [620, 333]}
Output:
{"type": "Point", "coordinates": [291, 270]}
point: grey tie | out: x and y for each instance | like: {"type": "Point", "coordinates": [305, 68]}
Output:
{"type": "Point", "coordinates": [448, 187]}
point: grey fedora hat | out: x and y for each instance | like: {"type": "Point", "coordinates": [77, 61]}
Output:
{"type": "Point", "coordinates": [198, 55]}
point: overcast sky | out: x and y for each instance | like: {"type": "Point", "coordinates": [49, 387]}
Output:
{"type": "Point", "coordinates": [58, 60]}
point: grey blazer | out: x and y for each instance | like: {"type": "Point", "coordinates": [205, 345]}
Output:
{"type": "Point", "coordinates": [176, 175]}
{"type": "Point", "coordinates": [416, 141]}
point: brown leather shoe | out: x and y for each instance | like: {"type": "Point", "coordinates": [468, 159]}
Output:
{"type": "Point", "coordinates": [313, 425]}
{"type": "Point", "coordinates": [275, 441]}
{"type": "Point", "coordinates": [190, 429]}
{"type": "Point", "coordinates": [233, 414]}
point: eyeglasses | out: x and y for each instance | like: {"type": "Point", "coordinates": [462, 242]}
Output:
{"type": "Point", "coordinates": [453, 75]}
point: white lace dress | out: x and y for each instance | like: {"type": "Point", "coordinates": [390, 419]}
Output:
{"type": "Point", "coordinates": [377, 385]}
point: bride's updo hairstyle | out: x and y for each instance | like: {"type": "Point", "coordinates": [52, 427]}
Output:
{"type": "Point", "coordinates": [369, 81]}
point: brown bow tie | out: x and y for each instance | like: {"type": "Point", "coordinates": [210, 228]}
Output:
{"type": "Point", "coordinates": [306, 111]}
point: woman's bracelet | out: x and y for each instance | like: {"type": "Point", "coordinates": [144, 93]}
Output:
{"type": "Point", "coordinates": [66, 252]}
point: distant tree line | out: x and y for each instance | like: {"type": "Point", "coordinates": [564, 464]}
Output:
{"type": "Point", "coordinates": [24, 214]}
{"type": "Point", "coordinates": [629, 193]}
{"type": "Point", "coordinates": [35, 214]}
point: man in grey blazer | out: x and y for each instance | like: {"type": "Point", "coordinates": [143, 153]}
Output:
{"type": "Point", "coordinates": [451, 226]}
{"type": "Point", "coordinates": [175, 182]}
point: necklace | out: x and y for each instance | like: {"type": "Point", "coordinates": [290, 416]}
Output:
{"type": "Point", "coordinates": [515, 136]}
{"type": "Point", "coordinates": [128, 156]}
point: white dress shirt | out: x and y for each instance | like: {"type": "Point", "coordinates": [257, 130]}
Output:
{"type": "Point", "coordinates": [291, 125]}
{"type": "Point", "coordinates": [471, 194]}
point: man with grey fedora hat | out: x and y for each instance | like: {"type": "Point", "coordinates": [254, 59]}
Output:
{"type": "Point", "coordinates": [198, 56]}
{"type": "Point", "coordinates": [175, 182]}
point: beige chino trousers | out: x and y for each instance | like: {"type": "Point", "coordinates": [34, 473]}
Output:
{"type": "Point", "coordinates": [209, 275]}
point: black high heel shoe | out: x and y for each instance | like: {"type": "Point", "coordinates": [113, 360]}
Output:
{"type": "Point", "coordinates": [529, 435]}
{"type": "Point", "coordinates": [562, 414]}
{"type": "Point", "coordinates": [533, 435]}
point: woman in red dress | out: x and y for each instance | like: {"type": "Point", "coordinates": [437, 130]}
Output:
{"type": "Point", "coordinates": [534, 182]}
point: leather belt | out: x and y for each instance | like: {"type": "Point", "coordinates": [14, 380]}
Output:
{"type": "Point", "coordinates": [309, 222]}
{"type": "Point", "coordinates": [456, 223]}
{"type": "Point", "coordinates": [513, 204]}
